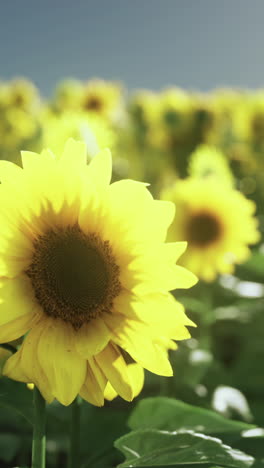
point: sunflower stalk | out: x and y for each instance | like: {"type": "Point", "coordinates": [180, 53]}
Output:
{"type": "Point", "coordinates": [74, 454]}
{"type": "Point", "coordinates": [39, 434]}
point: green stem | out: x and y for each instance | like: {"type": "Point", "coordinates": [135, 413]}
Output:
{"type": "Point", "coordinates": [39, 437]}
{"type": "Point", "coordinates": [74, 455]}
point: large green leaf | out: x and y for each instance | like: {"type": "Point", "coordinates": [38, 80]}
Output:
{"type": "Point", "coordinates": [162, 448]}
{"type": "Point", "coordinates": [170, 414]}
{"type": "Point", "coordinates": [16, 396]}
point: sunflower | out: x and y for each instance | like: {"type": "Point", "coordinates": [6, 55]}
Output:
{"type": "Point", "coordinates": [208, 161]}
{"type": "Point", "coordinates": [218, 223]}
{"type": "Point", "coordinates": [144, 108]}
{"type": "Point", "coordinates": [17, 128]}
{"type": "Point", "coordinates": [205, 120]}
{"type": "Point", "coordinates": [101, 98]}
{"type": "Point", "coordinates": [175, 108]}
{"type": "Point", "coordinates": [23, 94]}
{"type": "Point", "coordinates": [58, 128]}
{"type": "Point", "coordinates": [67, 96]}
{"type": "Point", "coordinates": [85, 275]}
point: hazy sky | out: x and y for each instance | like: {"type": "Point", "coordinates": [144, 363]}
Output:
{"type": "Point", "coordinates": [197, 44]}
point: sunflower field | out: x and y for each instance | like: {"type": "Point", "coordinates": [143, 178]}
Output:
{"type": "Point", "coordinates": [131, 277]}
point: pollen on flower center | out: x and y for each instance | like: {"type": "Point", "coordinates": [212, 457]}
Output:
{"type": "Point", "coordinates": [74, 275]}
{"type": "Point", "coordinates": [203, 229]}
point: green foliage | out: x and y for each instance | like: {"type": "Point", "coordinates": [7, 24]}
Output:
{"type": "Point", "coordinates": [16, 396]}
{"type": "Point", "coordinates": [161, 448]}
{"type": "Point", "coordinates": [9, 446]}
{"type": "Point", "coordinates": [253, 268]}
{"type": "Point", "coordinates": [173, 415]}
{"type": "Point", "coordinates": [168, 432]}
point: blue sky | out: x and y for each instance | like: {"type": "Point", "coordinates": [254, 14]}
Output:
{"type": "Point", "coordinates": [195, 44]}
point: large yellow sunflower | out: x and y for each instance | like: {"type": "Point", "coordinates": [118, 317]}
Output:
{"type": "Point", "coordinates": [217, 222]}
{"type": "Point", "coordinates": [85, 275]}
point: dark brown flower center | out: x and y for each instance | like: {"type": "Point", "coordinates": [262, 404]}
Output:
{"type": "Point", "coordinates": [74, 275]}
{"type": "Point", "coordinates": [203, 229]}
{"type": "Point", "coordinates": [93, 103]}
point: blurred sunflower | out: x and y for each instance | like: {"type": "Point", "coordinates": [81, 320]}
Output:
{"type": "Point", "coordinates": [208, 161]}
{"type": "Point", "coordinates": [144, 108]}
{"type": "Point", "coordinates": [17, 128]}
{"type": "Point", "coordinates": [67, 96]}
{"type": "Point", "coordinates": [205, 120]}
{"type": "Point", "coordinates": [102, 98]}
{"type": "Point", "coordinates": [4, 95]}
{"type": "Point", "coordinates": [58, 128]}
{"type": "Point", "coordinates": [173, 120]}
{"type": "Point", "coordinates": [85, 274]}
{"type": "Point", "coordinates": [217, 222]}
{"type": "Point", "coordinates": [22, 94]}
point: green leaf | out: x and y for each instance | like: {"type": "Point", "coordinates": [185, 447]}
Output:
{"type": "Point", "coordinates": [16, 396]}
{"type": "Point", "coordinates": [162, 448]}
{"type": "Point", "coordinates": [170, 414]}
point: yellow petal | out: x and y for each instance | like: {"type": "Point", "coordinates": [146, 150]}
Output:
{"type": "Point", "coordinates": [16, 298]}
{"type": "Point", "coordinates": [16, 328]}
{"type": "Point", "coordinates": [15, 246]}
{"type": "Point", "coordinates": [157, 310]}
{"type": "Point", "coordinates": [173, 250]}
{"type": "Point", "coordinates": [136, 373]}
{"type": "Point", "coordinates": [13, 368]}
{"type": "Point", "coordinates": [109, 392]}
{"type": "Point", "coordinates": [30, 364]}
{"type": "Point", "coordinates": [125, 197]}
{"type": "Point", "coordinates": [9, 172]}
{"type": "Point", "coordinates": [183, 278]}
{"type": "Point", "coordinates": [141, 217]}
{"type": "Point", "coordinates": [100, 168]}
{"type": "Point", "coordinates": [14, 243]}
{"type": "Point", "coordinates": [62, 365]}
{"type": "Point", "coordinates": [114, 368]}
{"type": "Point", "coordinates": [165, 278]}
{"type": "Point", "coordinates": [94, 385]}
{"type": "Point", "coordinates": [74, 154]}
{"type": "Point", "coordinates": [29, 159]}
{"type": "Point", "coordinates": [166, 343]}
{"type": "Point", "coordinates": [11, 267]}
{"type": "Point", "coordinates": [134, 338]}
{"type": "Point", "coordinates": [47, 155]}
{"type": "Point", "coordinates": [153, 270]}
{"type": "Point", "coordinates": [92, 210]}
{"type": "Point", "coordinates": [162, 216]}
{"type": "Point", "coordinates": [100, 377]}
{"type": "Point", "coordinates": [91, 338]}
